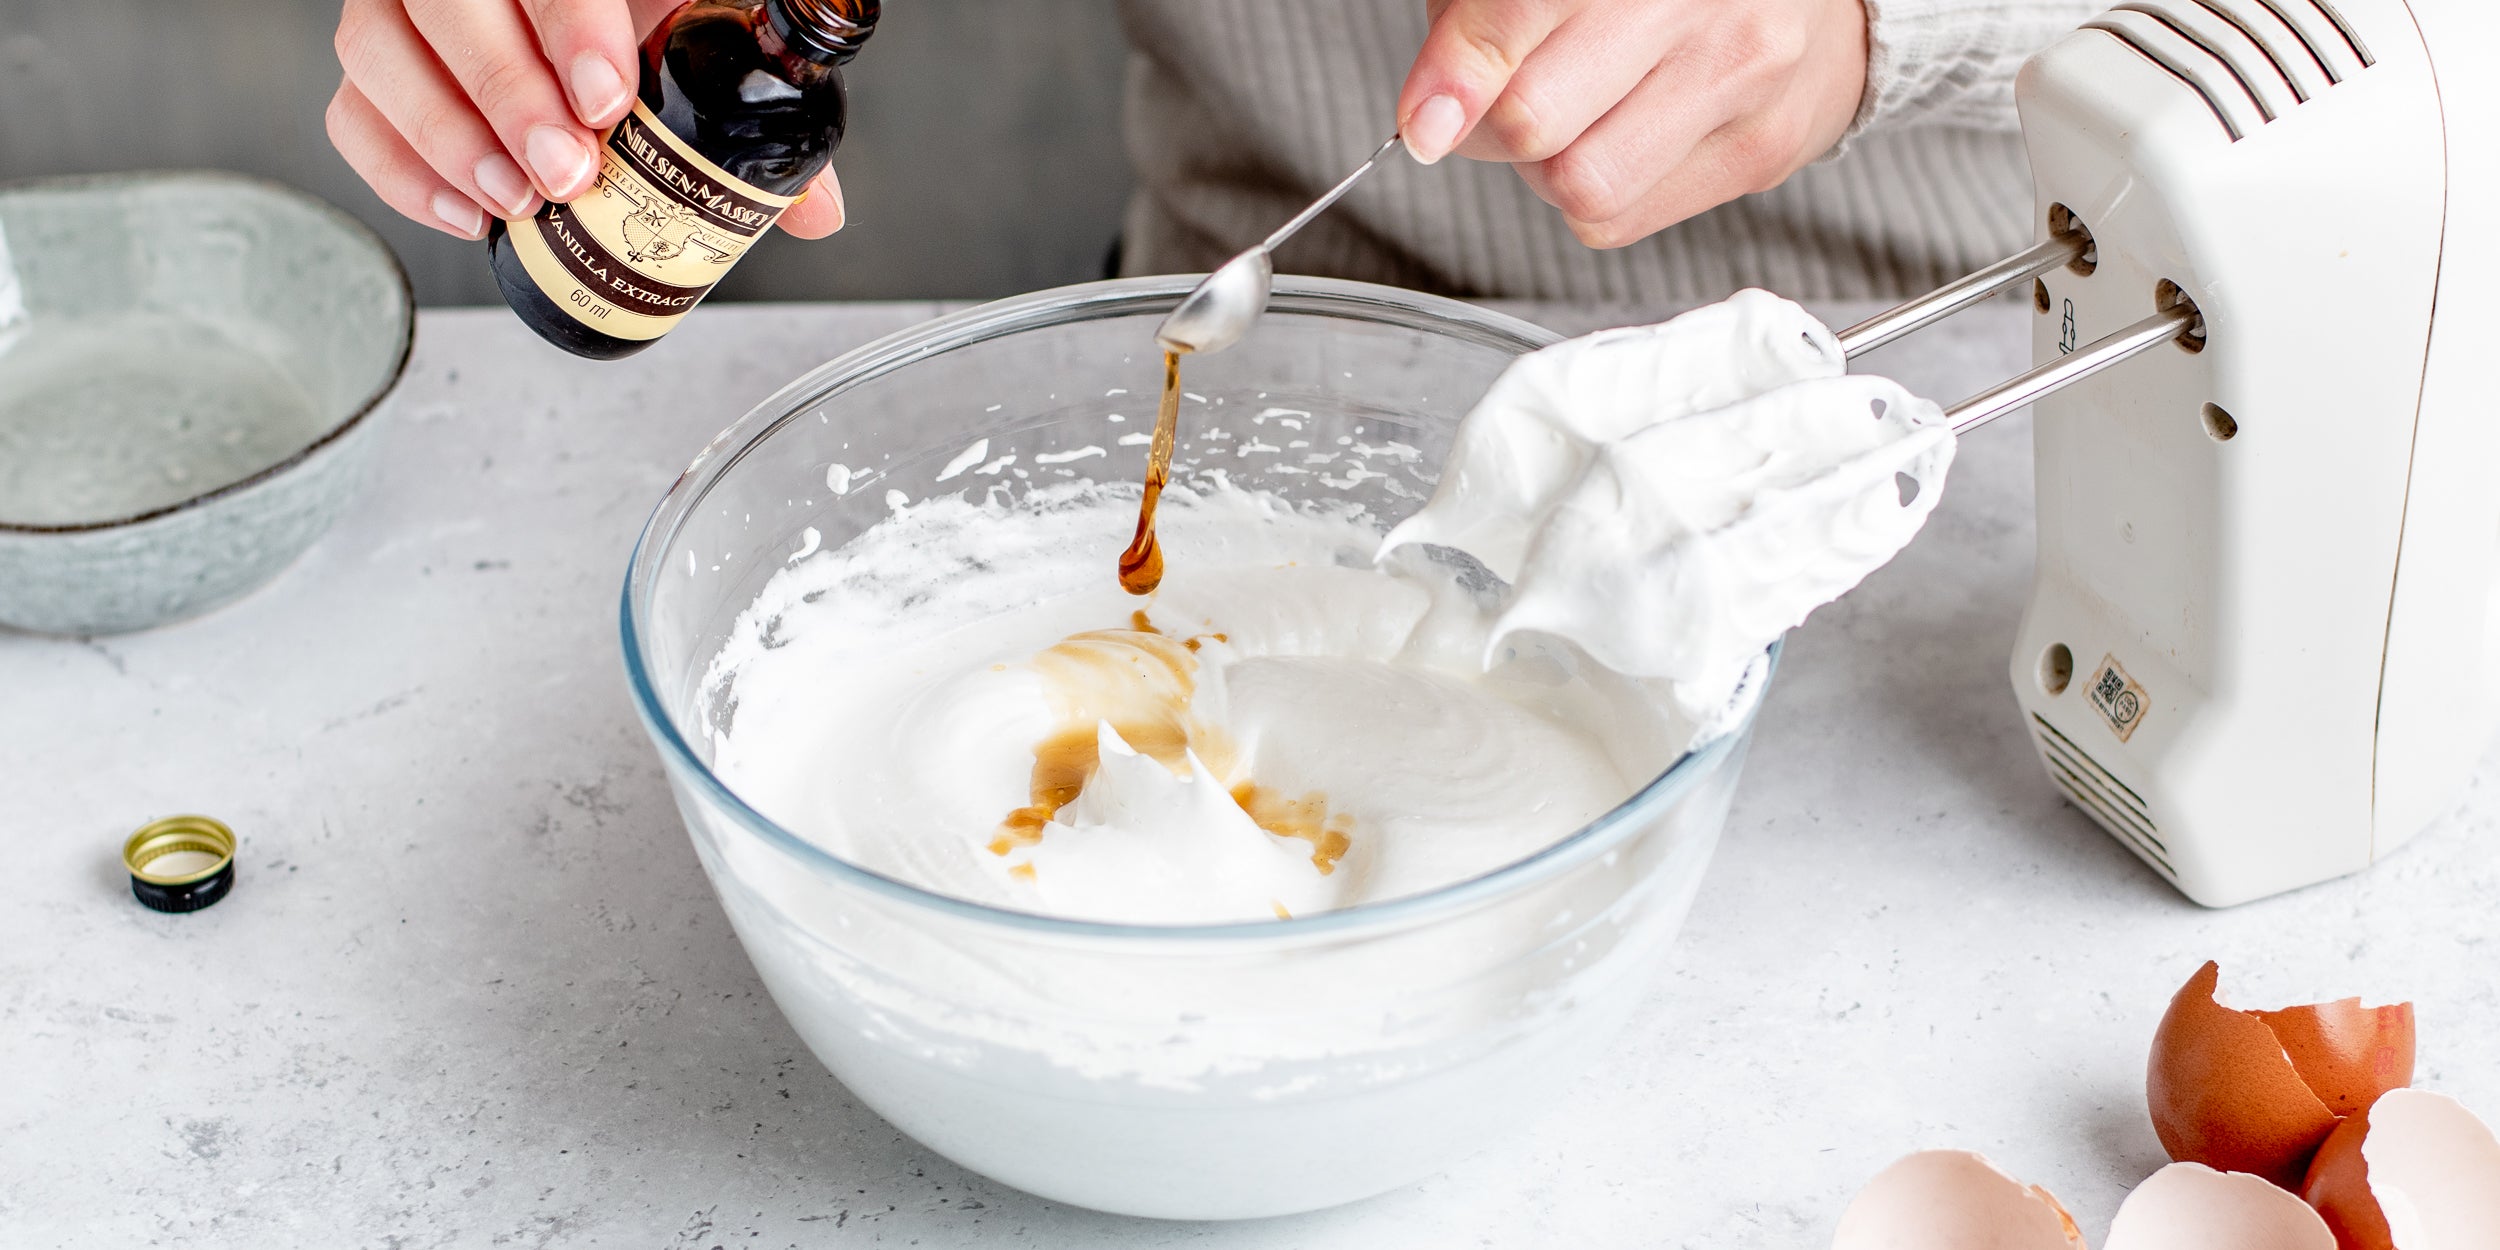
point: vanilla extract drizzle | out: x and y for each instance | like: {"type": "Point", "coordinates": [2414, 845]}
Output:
{"type": "Point", "coordinates": [1141, 565]}
{"type": "Point", "coordinates": [1141, 680]}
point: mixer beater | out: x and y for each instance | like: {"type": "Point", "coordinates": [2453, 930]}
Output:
{"type": "Point", "coordinates": [2069, 246]}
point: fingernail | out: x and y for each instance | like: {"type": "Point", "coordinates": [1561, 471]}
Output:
{"type": "Point", "coordinates": [504, 183]}
{"type": "Point", "coordinates": [461, 214]}
{"type": "Point", "coordinates": [597, 89]}
{"type": "Point", "coordinates": [1432, 130]}
{"type": "Point", "coordinates": [561, 161]}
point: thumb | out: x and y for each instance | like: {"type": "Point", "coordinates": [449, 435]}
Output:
{"type": "Point", "coordinates": [1474, 48]}
{"type": "Point", "coordinates": [819, 210]}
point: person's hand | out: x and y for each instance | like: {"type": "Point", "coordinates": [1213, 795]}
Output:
{"type": "Point", "coordinates": [453, 109]}
{"type": "Point", "coordinates": [1632, 115]}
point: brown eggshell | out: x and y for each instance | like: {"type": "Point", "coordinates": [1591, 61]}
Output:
{"type": "Point", "coordinates": [2338, 1185]}
{"type": "Point", "coordinates": [1953, 1200]}
{"type": "Point", "coordinates": [2223, 1093]}
{"type": "Point", "coordinates": [2188, 1206]}
{"type": "Point", "coordinates": [2349, 1054]}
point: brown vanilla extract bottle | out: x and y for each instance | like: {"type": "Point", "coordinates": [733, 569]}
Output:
{"type": "Point", "coordinates": [740, 105]}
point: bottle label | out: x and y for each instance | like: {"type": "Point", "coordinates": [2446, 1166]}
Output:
{"type": "Point", "coordinates": [636, 252]}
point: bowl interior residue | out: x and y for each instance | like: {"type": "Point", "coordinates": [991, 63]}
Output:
{"type": "Point", "coordinates": [164, 337]}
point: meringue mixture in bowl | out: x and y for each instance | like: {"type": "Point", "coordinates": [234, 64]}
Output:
{"type": "Point", "coordinates": [1265, 736]}
{"type": "Point", "coordinates": [1304, 717]}
{"type": "Point", "coordinates": [1466, 699]}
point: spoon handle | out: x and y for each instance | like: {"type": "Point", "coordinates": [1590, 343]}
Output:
{"type": "Point", "coordinates": [1303, 218]}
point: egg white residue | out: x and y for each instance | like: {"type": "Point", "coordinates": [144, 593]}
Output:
{"type": "Point", "coordinates": [888, 707]}
{"type": "Point", "coordinates": [965, 459]}
{"type": "Point", "coordinates": [1064, 457]}
{"type": "Point", "coordinates": [809, 541]}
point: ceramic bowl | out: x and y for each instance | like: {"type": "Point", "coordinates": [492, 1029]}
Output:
{"type": "Point", "coordinates": [189, 368]}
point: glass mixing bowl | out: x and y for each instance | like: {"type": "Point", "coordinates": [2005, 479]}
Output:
{"type": "Point", "coordinates": [1212, 1071]}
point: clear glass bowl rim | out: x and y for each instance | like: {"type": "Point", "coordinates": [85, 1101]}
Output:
{"type": "Point", "coordinates": [1096, 301]}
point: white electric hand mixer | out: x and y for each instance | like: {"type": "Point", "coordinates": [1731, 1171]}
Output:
{"type": "Point", "coordinates": [2263, 642]}
{"type": "Point", "coordinates": [2273, 546]}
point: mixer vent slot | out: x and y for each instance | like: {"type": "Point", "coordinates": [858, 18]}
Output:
{"type": "Point", "coordinates": [2109, 801]}
{"type": "Point", "coordinates": [2251, 61]}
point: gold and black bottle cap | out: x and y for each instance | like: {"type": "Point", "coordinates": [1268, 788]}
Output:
{"type": "Point", "coordinates": [180, 863]}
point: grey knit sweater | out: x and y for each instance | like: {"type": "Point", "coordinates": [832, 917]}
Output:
{"type": "Point", "coordinates": [1240, 111]}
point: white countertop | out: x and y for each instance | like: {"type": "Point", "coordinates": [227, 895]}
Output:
{"type": "Point", "coordinates": [471, 988]}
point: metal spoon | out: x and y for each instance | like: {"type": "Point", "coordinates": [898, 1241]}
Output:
{"type": "Point", "coordinates": [1216, 314]}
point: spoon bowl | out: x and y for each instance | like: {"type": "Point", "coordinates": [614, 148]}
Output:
{"type": "Point", "coordinates": [1216, 314]}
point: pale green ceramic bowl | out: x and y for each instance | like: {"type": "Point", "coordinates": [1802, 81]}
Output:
{"type": "Point", "coordinates": [189, 368]}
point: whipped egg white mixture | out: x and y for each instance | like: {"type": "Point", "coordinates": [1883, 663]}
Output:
{"type": "Point", "coordinates": [1305, 716]}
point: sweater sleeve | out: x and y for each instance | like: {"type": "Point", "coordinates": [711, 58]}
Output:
{"type": "Point", "coordinates": [1952, 62]}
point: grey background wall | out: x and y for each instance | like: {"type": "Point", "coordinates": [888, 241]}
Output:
{"type": "Point", "coordinates": [984, 156]}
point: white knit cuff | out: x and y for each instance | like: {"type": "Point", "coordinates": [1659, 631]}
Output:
{"type": "Point", "coordinates": [1952, 62]}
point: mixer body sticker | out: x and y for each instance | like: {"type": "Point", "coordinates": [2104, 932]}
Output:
{"type": "Point", "coordinates": [635, 253]}
{"type": "Point", "coordinates": [2117, 697]}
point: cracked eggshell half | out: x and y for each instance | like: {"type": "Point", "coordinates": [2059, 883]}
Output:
{"type": "Point", "coordinates": [2257, 1092]}
{"type": "Point", "coordinates": [2417, 1171]}
{"type": "Point", "coordinates": [1953, 1200]}
{"type": "Point", "coordinates": [2188, 1206]}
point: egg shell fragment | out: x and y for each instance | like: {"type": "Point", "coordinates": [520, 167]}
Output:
{"type": "Point", "coordinates": [1953, 1200]}
{"type": "Point", "coordinates": [2188, 1206]}
{"type": "Point", "coordinates": [2225, 1089]}
{"type": "Point", "coordinates": [2338, 1186]}
{"type": "Point", "coordinates": [2421, 1163]}
{"type": "Point", "coordinates": [2349, 1054]}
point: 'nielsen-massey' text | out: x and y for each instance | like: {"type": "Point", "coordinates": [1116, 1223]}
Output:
{"type": "Point", "coordinates": [674, 177]}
